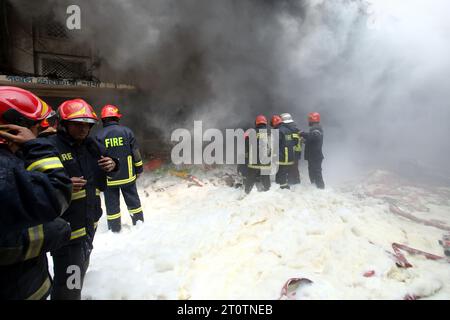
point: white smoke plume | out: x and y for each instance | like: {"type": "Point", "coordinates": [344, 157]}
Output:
{"type": "Point", "coordinates": [376, 70]}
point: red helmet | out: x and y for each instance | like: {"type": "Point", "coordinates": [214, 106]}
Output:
{"type": "Point", "coordinates": [276, 121]}
{"type": "Point", "coordinates": [110, 111]}
{"type": "Point", "coordinates": [314, 117]}
{"type": "Point", "coordinates": [260, 120]}
{"type": "Point", "coordinates": [77, 110]}
{"type": "Point", "coordinates": [21, 107]}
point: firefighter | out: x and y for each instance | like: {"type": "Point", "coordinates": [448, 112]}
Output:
{"type": "Point", "coordinates": [254, 148]}
{"type": "Point", "coordinates": [294, 174]}
{"type": "Point", "coordinates": [242, 168]}
{"type": "Point", "coordinates": [313, 149]}
{"type": "Point", "coordinates": [121, 143]}
{"type": "Point", "coordinates": [287, 152]}
{"type": "Point", "coordinates": [87, 164]}
{"type": "Point", "coordinates": [275, 123]}
{"type": "Point", "coordinates": [34, 192]}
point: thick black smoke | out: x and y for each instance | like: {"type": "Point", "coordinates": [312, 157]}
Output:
{"type": "Point", "coordinates": [379, 78]}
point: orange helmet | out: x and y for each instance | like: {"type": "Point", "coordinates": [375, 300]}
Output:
{"type": "Point", "coordinates": [314, 117]}
{"type": "Point", "coordinates": [260, 120]}
{"type": "Point", "coordinates": [77, 110]}
{"type": "Point", "coordinates": [276, 121]}
{"type": "Point", "coordinates": [110, 111]}
{"type": "Point", "coordinates": [21, 107]}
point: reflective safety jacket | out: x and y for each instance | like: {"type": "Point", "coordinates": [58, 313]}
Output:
{"type": "Point", "coordinates": [258, 146]}
{"type": "Point", "coordinates": [287, 145]}
{"type": "Point", "coordinates": [298, 139]}
{"type": "Point", "coordinates": [81, 161]}
{"type": "Point", "coordinates": [313, 143]}
{"type": "Point", "coordinates": [121, 144]}
{"type": "Point", "coordinates": [34, 192]}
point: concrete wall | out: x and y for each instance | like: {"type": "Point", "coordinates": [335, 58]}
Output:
{"type": "Point", "coordinates": [22, 48]}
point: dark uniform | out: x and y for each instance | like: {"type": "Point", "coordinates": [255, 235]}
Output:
{"type": "Point", "coordinates": [286, 155]}
{"type": "Point", "coordinates": [83, 213]}
{"type": "Point", "coordinates": [121, 144]}
{"type": "Point", "coordinates": [294, 174]}
{"type": "Point", "coordinates": [314, 155]}
{"type": "Point", "coordinates": [242, 168]}
{"type": "Point", "coordinates": [253, 160]}
{"type": "Point", "coordinates": [34, 191]}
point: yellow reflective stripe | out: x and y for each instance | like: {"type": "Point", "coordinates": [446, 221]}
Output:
{"type": "Point", "coordinates": [40, 293]}
{"type": "Point", "coordinates": [82, 194]}
{"type": "Point", "coordinates": [286, 158]}
{"type": "Point", "coordinates": [138, 164]}
{"type": "Point", "coordinates": [78, 234]}
{"type": "Point", "coordinates": [36, 236]}
{"type": "Point", "coordinates": [133, 211]}
{"type": "Point", "coordinates": [95, 225]}
{"type": "Point", "coordinates": [255, 166]}
{"type": "Point", "coordinates": [130, 178]}
{"type": "Point", "coordinates": [119, 182]}
{"type": "Point", "coordinates": [114, 216]}
{"type": "Point", "coordinates": [298, 146]}
{"type": "Point", "coordinates": [45, 164]}
{"type": "Point", "coordinates": [79, 195]}
{"type": "Point", "coordinates": [261, 135]}
{"type": "Point", "coordinates": [130, 166]}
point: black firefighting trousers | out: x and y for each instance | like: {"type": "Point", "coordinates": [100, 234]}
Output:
{"type": "Point", "coordinates": [250, 180]}
{"type": "Point", "coordinates": [70, 264]}
{"type": "Point", "coordinates": [112, 202]}
{"type": "Point", "coordinates": [294, 174]}
{"type": "Point", "coordinates": [315, 173]}
{"type": "Point", "coordinates": [283, 174]}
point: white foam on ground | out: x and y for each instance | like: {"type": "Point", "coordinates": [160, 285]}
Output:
{"type": "Point", "coordinates": [205, 243]}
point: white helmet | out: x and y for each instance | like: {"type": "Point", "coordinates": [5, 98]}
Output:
{"type": "Point", "coordinates": [286, 117]}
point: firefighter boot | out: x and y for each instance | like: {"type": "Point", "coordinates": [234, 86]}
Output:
{"type": "Point", "coordinates": [137, 217]}
{"type": "Point", "coordinates": [114, 223]}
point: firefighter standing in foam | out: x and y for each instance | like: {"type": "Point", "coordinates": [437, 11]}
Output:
{"type": "Point", "coordinates": [34, 192]}
{"type": "Point", "coordinates": [287, 153]}
{"type": "Point", "coordinates": [254, 150]}
{"type": "Point", "coordinates": [313, 149]}
{"type": "Point", "coordinates": [294, 173]}
{"type": "Point", "coordinates": [87, 164]}
{"type": "Point", "coordinates": [121, 143]}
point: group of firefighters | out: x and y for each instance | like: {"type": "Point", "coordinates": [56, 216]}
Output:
{"type": "Point", "coordinates": [52, 172]}
{"type": "Point", "coordinates": [290, 146]}
{"type": "Point", "coordinates": [51, 175]}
